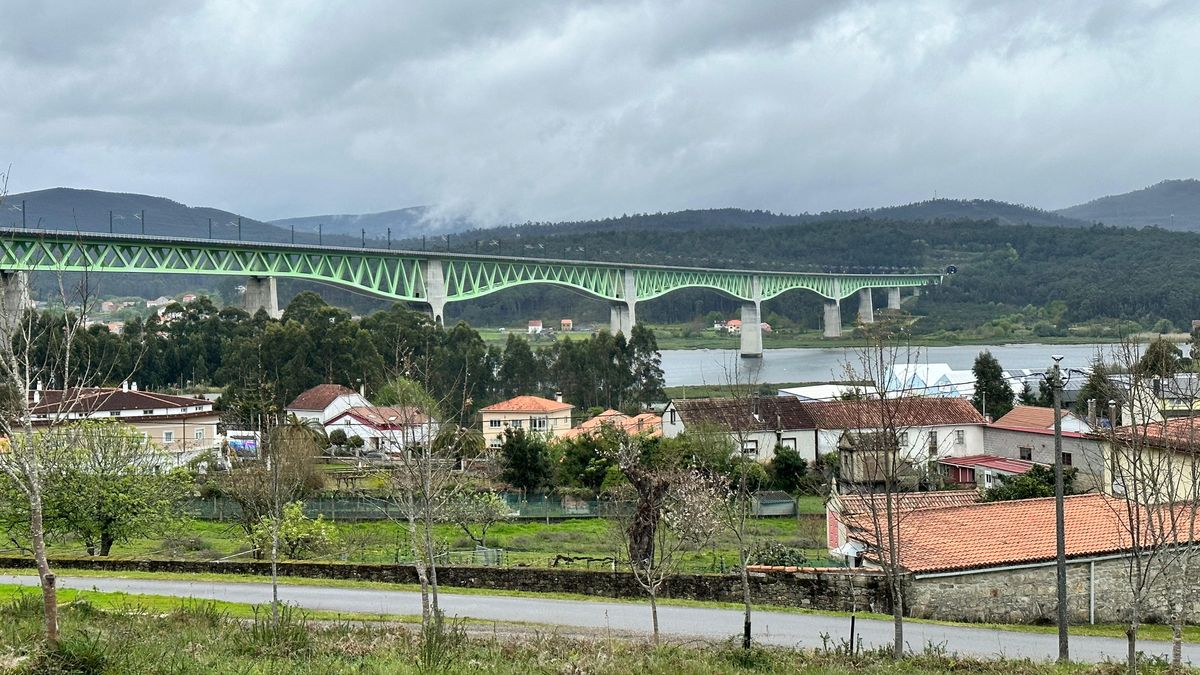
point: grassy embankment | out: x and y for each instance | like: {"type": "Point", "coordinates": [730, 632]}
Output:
{"type": "Point", "coordinates": [525, 542]}
{"type": "Point", "coordinates": [117, 633]}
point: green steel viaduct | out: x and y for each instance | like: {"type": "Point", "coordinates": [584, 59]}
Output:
{"type": "Point", "coordinates": [434, 278]}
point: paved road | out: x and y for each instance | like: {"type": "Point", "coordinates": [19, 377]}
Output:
{"type": "Point", "coordinates": [776, 628]}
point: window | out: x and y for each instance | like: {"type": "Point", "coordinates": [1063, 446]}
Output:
{"type": "Point", "coordinates": [933, 439]}
{"type": "Point", "coordinates": [115, 413]}
{"type": "Point", "coordinates": [168, 436]}
{"type": "Point", "coordinates": [537, 423]}
{"type": "Point", "coordinates": [789, 443]}
{"type": "Point", "coordinates": [1027, 454]}
{"type": "Point", "coordinates": [494, 424]}
{"type": "Point", "coordinates": [987, 478]}
{"type": "Point", "coordinates": [672, 416]}
{"type": "Point", "coordinates": [960, 437]}
{"type": "Point", "coordinates": [1066, 459]}
{"type": "Point", "coordinates": [750, 448]}
{"type": "Point", "coordinates": [516, 424]}
{"type": "Point", "coordinates": [902, 439]}
{"type": "Point", "coordinates": [199, 434]}
{"type": "Point", "coordinates": [494, 443]}
{"type": "Point", "coordinates": [147, 412]}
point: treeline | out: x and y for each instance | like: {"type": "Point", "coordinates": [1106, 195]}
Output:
{"type": "Point", "coordinates": [266, 362]}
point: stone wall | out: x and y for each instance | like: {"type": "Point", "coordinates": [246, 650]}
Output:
{"type": "Point", "coordinates": [1029, 595]}
{"type": "Point", "coordinates": [812, 588]}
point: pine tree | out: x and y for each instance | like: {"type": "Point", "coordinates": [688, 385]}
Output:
{"type": "Point", "coordinates": [990, 387]}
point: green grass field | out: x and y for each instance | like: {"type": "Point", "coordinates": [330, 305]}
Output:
{"type": "Point", "coordinates": [531, 543]}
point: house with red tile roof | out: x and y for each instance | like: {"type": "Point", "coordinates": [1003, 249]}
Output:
{"type": "Point", "coordinates": [1027, 433]}
{"type": "Point", "coordinates": [647, 424]}
{"type": "Point", "coordinates": [982, 471]}
{"type": "Point", "coordinates": [531, 413]}
{"type": "Point", "coordinates": [386, 429]}
{"type": "Point", "coordinates": [183, 426]}
{"type": "Point", "coordinates": [324, 402]}
{"type": "Point", "coordinates": [995, 561]}
{"type": "Point", "coordinates": [850, 505]}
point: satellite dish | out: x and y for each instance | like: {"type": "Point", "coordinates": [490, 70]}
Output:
{"type": "Point", "coordinates": [951, 269]}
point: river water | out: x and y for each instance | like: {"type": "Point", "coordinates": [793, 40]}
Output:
{"type": "Point", "coordinates": [687, 367]}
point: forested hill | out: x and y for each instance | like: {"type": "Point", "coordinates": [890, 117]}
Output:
{"type": "Point", "coordinates": [89, 211]}
{"type": "Point", "coordinates": [1074, 274]}
{"type": "Point", "coordinates": [933, 210]}
{"type": "Point", "coordinates": [1171, 204]}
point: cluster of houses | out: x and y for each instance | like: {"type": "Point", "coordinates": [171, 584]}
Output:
{"type": "Point", "coordinates": [734, 326]}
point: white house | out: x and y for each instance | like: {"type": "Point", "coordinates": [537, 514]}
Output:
{"type": "Point", "coordinates": [925, 427]}
{"type": "Point", "coordinates": [387, 429]}
{"type": "Point", "coordinates": [324, 402]}
{"type": "Point", "coordinates": [759, 424]}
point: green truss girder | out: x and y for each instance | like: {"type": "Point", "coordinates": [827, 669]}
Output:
{"type": "Point", "coordinates": [391, 276]}
{"type": "Point", "coordinates": [401, 275]}
{"type": "Point", "coordinates": [472, 278]}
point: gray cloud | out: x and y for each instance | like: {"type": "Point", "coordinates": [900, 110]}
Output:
{"type": "Point", "coordinates": [553, 110]}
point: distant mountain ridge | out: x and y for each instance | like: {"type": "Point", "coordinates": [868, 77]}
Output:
{"type": "Point", "coordinates": [412, 221]}
{"type": "Point", "coordinates": [1170, 204]}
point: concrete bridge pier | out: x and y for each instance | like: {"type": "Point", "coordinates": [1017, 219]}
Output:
{"type": "Point", "coordinates": [893, 295]}
{"type": "Point", "coordinates": [14, 300]}
{"type": "Point", "coordinates": [261, 293]}
{"type": "Point", "coordinates": [435, 290]}
{"type": "Point", "coordinates": [621, 317]}
{"type": "Point", "coordinates": [866, 306]}
{"type": "Point", "coordinates": [833, 319]}
{"type": "Point", "coordinates": [751, 347]}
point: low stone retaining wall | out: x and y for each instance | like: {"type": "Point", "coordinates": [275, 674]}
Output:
{"type": "Point", "coordinates": [812, 588]}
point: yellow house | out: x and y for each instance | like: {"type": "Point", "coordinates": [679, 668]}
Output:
{"type": "Point", "coordinates": [1154, 462]}
{"type": "Point", "coordinates": [531, 413]}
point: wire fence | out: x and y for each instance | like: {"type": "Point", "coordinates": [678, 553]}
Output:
{"type": "Point", "coordinates": [353, 509]}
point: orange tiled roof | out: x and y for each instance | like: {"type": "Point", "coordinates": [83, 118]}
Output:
{"type": "Point", "coordinates": [645, 423]}
{"type": "Point", "coordinates": [852, 504]}
{"type": "Point", "coordinates": [528, 404]}
{"type": "Point", "coordinates": [1027, 417]}
{"type": "Point", "coordinates": [999, 534]}
{"type": "Point", "coordinates": [385, 417]}
{"type": "Point", "coordinates": [1176, 432]}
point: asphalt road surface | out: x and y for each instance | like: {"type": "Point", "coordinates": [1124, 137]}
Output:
{"type": "Point", "coordinates": [802, 630]}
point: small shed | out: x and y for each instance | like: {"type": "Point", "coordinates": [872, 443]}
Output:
{"type": "Point", "coordinates": [773, 503]}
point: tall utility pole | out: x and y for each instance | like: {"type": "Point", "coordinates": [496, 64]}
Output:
{"type": "Point", "coordinates": [143, 221]}
{"type": "Point", "coordinates": [1060, 528]}
{"type": "Point", "coordinates": [389, 238]}
{"type": "Point", "coordinates": [239, 228]}
{"type": "Point", "coordinates": [210, 228]}
{"type": "Point", "coordinates": [110, 227]}
{"type": "Point", "coordinates": [320, 233]}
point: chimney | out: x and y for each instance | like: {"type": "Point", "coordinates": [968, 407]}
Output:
{"type": "Point", "coordinates": [133, 387]}
{"type": "Point", "coordinates": [1091, 412]}
{"type": "Point", "coordinates": [37, 394]}
{"type": "Point", "coordinates": [125, 385]}
{"type": "Point", "coordinates": [362, 390]}
{"type": "Point", "coordinates": [558, 396]}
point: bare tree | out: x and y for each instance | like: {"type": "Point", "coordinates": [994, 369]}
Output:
{"type": "Point", "coordinates": [875, 464]}
{"type": "Point", "coordinates": [1150, 468]}
{"type": "Point", "coordinates": [673, 511]}
{"type": "Point", "coordinates": [426, 447]}
{"type": "Point", "coordinates": [37, 351]}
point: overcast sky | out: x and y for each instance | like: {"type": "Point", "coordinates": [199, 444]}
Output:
{"type": "Point", "coordinates": [554, 110]}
